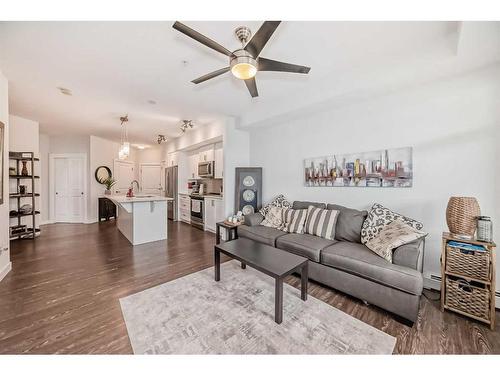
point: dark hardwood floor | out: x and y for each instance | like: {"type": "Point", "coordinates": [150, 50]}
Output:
{"type": "Point", "coordinates": [62, 294]}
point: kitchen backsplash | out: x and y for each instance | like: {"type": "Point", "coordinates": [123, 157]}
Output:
{"type": "Point", "coordinates": [212, 185]}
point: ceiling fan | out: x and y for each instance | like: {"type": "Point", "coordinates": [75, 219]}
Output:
{"type": "Point", "coordinates": [245, 62]}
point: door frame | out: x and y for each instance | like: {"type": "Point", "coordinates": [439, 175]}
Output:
{"type": "Point", "coordinates": [162, 173]}
{"type": "Point", "coordinates": [52, 184]}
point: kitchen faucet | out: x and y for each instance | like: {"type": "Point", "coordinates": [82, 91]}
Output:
{"type": "Point", "coordinates": [132, 185]}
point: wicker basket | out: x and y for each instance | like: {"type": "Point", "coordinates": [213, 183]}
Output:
{"type": "Point", "coordinates": [472, 300]}
{"type": "Point", "coordinates": [475, 264]}
{"type": "Point", "coordinates": [461, 215]}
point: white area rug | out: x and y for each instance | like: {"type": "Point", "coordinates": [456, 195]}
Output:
{"type": "Point", "coordinates": [196, 315]}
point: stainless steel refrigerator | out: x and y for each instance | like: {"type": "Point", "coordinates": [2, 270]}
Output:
{"type": "Point", "coordinates": [171, 192]}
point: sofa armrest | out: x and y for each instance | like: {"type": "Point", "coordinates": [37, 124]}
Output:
{"type": "Point", "coordinates": [410, 255]}
{"type": "Point", "coordinates": [253, 219]}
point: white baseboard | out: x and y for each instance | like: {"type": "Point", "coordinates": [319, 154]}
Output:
{"type": "Point", "coordinates": [47, 222]}
{"type": "Point", "coordinates": [5, 270]}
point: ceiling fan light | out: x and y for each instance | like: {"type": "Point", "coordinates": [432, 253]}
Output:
{"type": "Point", "coordinates": [244, 70]}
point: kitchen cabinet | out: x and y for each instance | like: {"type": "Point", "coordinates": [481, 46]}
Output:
{"type": "Point", "coordinates": [193, 166]}
{"type": "Point", "coordinates": [219, 161]}
{"type": "Point", "coordinates": [185, 208]}
{"type": "Point", "coordinates": [214, 212]}
{"type": "Point", "coordinates": [206, 153]}
{"type": "Point", "coordinates": [173, 159]}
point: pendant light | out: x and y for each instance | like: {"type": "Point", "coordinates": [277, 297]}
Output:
{"type": "Point", "coordinates": [124, 151]}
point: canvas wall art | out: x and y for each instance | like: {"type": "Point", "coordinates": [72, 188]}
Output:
{"type": "Point", "coordinates": [384, 168]}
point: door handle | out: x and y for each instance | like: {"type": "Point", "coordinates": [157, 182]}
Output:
{"type": "Point", "coordinates": [57, 193]}
{"type": "Point", "coordinates": [82, 192]}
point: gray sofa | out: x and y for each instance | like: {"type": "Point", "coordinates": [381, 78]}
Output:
{"type": "Point", "coordinates": [349, 266]}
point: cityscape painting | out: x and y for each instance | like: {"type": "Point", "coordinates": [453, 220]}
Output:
{"type": "Point", "coordinates": [384, 168]}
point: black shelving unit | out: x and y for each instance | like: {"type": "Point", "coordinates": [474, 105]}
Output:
{"type": "Point", "coordinates": [29, 157]}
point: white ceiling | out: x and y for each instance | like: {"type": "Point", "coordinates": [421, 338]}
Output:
{"type": "Point", "coordinates": [114, 68]}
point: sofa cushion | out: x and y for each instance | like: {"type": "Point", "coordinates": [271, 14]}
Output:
{"type": "Point", "coordinates": [260, 234]}
{"type": "Point", "coordinates": [378, 217]}
{"type": "Point", "coordinates": [294, 220]}
{"type": "Point", "coordinates": [321, 222]}
{"type": "Point", "coordinates": [304, 205]}
{"type": "Point", "coordinates": [349, 223]}
{"type": "Point", "coordinates": [392, 236]}
{"type": "Point", "coordinates": [357, 259]}
{"type": "Point", "coordinates": [278, 201]}
{"type": "Point", "coordinates": [305, 245]}
{"type": "Point", "coordinates": [273, 218]}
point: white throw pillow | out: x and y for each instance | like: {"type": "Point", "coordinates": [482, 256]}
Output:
{"type": "Point", "coordinates": [273, 218]}
{"type": "Point", "coordinates": [393, 235]}
{"type": "Point", "coordinates": [380, 216]}
{"type": "Point", "coordinates": [278, 201]}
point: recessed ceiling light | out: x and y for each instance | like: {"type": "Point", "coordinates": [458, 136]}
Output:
{"type": "Point", "coordinates": [65, 91]}
{"type": "Point", "coordinates": [151, 102]}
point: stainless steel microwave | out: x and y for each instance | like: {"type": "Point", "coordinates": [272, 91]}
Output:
{"type": "Point", "coordinates": [206, 169]}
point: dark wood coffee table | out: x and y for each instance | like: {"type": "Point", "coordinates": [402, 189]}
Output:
{"type": "Point", "coordinates": [269, 260]}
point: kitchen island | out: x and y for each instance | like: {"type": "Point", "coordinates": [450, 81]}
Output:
{"type": "Point", "coordinates": [142, 218]}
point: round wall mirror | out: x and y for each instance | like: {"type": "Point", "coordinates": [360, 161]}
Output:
{"type": "Point", "coordinates": [102, 173]}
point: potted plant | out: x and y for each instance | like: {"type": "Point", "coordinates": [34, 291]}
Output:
{"type": "Point", "coordinates": [108, 182]}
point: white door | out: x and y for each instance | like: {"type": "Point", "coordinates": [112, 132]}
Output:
{"type": "Point", "coordinates": [124, 175]}
{"type": "Point", "coordinates": [69, 189]}
{"type": "Point", "coordinates": [151, 178]}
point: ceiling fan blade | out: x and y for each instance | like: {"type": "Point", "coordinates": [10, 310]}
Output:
{"type": "Point", "coordinates": [252, 87]}
{"type": "Point", "coordinates": [211, 75]}
{"type": "Point", "coordinates": [259, 40]}
{"type": "Point", "coordinates": [201, 38]}
{"type": "Point", "coordinates": [278, 66]}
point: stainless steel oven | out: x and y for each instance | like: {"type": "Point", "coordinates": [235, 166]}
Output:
{"type": "Point", "coordinates": [197, 211]}
{"type": "Point", "coordinates": [206, 169]}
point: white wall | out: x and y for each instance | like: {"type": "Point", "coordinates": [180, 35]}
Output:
{"type": "Point", "coordinates": [150, 155]}
{"type": "Point", "coordinates": [5, 264]}
{"type": "Point", "coordinates": [23, 137]}
{"type": "Point", "coordinates": [44, 150]}
{"type": "Point", "coordinates": [452, 126]}
{"type": "Point", "coordinates": [102, 152]}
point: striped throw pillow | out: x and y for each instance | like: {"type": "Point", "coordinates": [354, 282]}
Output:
{"type": "Point", "coordinates": [321, 222]}
{"type": "Point", "coordinates": [293, 220]}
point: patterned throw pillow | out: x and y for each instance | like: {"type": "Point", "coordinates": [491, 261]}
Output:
{"type": "Point", "coordinates": [321, 222]}
{"type": "Point", "coordinates": [380, 216]}
{"type": "Point", "coordinates": [274, 218]}
{"type": "Point", "coordinates": [392, 236]}
{"type": "Point", "coordinates": [294, 220]}
{"type": "Point", "coordinates": [278, 201]}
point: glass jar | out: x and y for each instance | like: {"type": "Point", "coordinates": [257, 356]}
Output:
{"type": "Point", "coordinates": [484, 229]}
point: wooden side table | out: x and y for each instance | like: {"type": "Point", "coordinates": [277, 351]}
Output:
{"type": "Point", "coordinates": [468, 279]}
{"type": "Point", "coordinates": [232, 229]}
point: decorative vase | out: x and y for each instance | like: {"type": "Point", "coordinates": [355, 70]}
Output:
{"type": "Point", "coordinates": [24, 171]}
{"type": "Point", "coordinates": [107, 192]}
{"type": "Point", "coordinates": [461, 216]}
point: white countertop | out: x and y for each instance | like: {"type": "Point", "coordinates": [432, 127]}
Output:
{"type": "Point", "coordinates": [138, 198]}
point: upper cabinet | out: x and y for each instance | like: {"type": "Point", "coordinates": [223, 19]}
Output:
{"type": "Point", "coordinates": [172, 159]}
{"type": "Point", "coordinates": [219, 161]}
{"type": "Point", "coordinates": [193, 166]}
{"type": "Point", "coordinates": [206, 153]}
